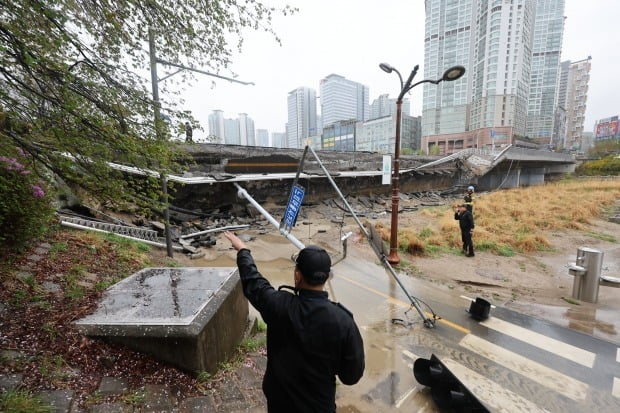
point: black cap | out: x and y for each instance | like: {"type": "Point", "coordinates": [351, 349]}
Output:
{"type": "Point", "coordinates": [314, 264]}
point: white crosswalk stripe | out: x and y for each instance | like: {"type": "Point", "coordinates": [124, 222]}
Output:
{"type": "Point", "coordinates": [570, 352]}
{"type": "Point", "coordinates": [490, 393]}
{"type": "Point", "coordinates": [552, 379]}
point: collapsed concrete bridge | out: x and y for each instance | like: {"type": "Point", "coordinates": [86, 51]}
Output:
{"type": "Point", "coordinates": [267, 173]}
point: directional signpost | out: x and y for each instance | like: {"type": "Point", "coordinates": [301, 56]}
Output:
{"type": "Point", "coordinates": [293, 207]}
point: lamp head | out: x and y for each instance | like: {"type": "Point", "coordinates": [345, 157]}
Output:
{"type": "Point", "coordinates": [453, 73]}
{"type": "Point", "coordinates": [386, 67]}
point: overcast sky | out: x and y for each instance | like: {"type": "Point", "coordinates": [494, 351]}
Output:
{"type": "Point", "coordinates": [351, 38]}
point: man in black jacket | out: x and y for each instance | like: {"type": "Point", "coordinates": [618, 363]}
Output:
{"type": "Point", "coordinates": [310, 339]}
{"type": "Point", "coordinates": [466, 223]}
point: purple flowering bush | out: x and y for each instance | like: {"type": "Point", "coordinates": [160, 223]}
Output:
{"type": "Point", "coordinates": [25, 203]}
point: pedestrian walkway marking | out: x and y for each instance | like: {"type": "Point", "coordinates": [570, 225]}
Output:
{"type": "Point", "coordinates": [568, 351]}
{"type": "Point", "coordinates": [402, 399]}
{"type": "Point", "coordinates": [618, 354]}
{"type": "Point", "coordinates": [473, 299]}
{"type": "Point", "coordinates": [489, 392]}
{"type": "Point", "coordinates": [410, 355]}
{"type": "Point", "coordinates": [568, 386]}
{"type": "Point", "coordinates": [615, 390]}
{"type": "Point", "coordinates": [405, 305]}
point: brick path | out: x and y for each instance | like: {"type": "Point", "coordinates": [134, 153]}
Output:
{"type": "Point", "coordinates": [239, 391]}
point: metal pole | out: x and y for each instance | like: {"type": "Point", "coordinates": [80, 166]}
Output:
{"type": "Point", "coordinates": [393, 258]}
{"type": "Point", "coordinates": [158, 136]}
{"type": "Point", "coordinates": [414, 302]}
{"type": "Point", "coordinates": [243, 193]}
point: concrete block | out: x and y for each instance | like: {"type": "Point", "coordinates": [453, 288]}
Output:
{"type": "Point", "coordinates": [193, 318]}
{"type": "Point", "coordinates": [158, 399]}
{"type": "Point", "coordinates": [197, 405]}
{"type": "Point", "coordinates": [112, 385]}
{"type": "Point", "coordinates": [111, 408]}
{"type": "Point", "coordinates": [59, 400]}
{"type": "Point", "coordinates": [10, 381]}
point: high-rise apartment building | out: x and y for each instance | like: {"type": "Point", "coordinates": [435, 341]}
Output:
{"type": "Point", "coordinates": [545, 69]}
{"type": "Point", "coordinates": [384, 106]}
{"type": "Point", "coordinates": [262, 137]}
{"type": "Point", "coordinates": [238, 131]}
{"type": "Point", "coordinates": [559, 124]}
{"type": "Point", "coordinates": [342, 99]}
{"type": "Point", "coordinates": [232, 135]}
{"type": "Point", "coordinates": [278, 139]}
{"type": "Point", "coordinates": [216, 126]}
{"type": "Point", "coordinates": [496, 41]}
{"type": "Point", "coordinates": [246, 130]}
{"type": "Point", "coordinates": [576, 100]}
{"type": "Point", "coordinates": [301, 116]}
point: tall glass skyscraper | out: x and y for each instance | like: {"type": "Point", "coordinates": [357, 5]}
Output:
{"type": "Point", "coordinates": [301, 116]}
{"type": "Point", "coordinates": [342, 99]}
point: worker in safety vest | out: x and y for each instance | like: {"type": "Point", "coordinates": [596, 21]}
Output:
{"type": "Point", "coordinates": [469, 199]}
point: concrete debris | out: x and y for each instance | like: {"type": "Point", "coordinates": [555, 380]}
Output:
{"type": "Point", "coordinates": [197, 255]}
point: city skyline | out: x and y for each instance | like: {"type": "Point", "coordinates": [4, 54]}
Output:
{"type": "Point", "coordinates": [307, 55]}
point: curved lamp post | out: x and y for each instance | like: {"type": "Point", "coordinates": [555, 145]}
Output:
{"type": "Point", "coordinates": [449, 75]}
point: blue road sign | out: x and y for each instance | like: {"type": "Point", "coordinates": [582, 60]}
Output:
{"type": "Point", "coordinates": [293, 207]}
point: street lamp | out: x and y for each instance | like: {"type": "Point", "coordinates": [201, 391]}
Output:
{"type": "Point", "coordinates": [449, 75]}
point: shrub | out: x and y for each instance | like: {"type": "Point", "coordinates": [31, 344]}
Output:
{"type": "Point", "coordinates": [25, 202]}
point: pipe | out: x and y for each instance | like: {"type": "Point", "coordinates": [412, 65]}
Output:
{"type": "Point", "coordinates": [244, 194]}
{"type": "Point", "coordinates": [208, 231]}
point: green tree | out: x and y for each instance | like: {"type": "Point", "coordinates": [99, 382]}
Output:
{"type": "Point", "coordinates": [74, 94]}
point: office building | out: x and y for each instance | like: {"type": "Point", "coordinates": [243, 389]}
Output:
{"type": "Point", "coordinates": [378, 135]}
{"type": "Point", "coordinates": [545, 69]}
{"type": "Point", "coordinates": [339, 136]}
{"type": "Point", "coordinates": [384, 106]}
{"type": "Point", "coordinates": [301, 116]}
{"type": "Point", "coordinates": [342, 99]}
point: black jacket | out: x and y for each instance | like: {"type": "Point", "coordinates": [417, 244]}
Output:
{"type": "Point", "coordinates": [310, 340]}
{"type": "Point", "coordinates": [466, 220]}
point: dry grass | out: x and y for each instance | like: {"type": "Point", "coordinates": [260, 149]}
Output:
{"type": "Point", "coordinates": [516, 219]}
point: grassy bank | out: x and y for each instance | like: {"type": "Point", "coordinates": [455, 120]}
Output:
{"type": "Point", "coordinates": [516, 220]}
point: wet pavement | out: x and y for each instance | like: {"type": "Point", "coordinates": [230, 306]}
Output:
{"type": "Point", "coordinates": [536, 364]}
{"type": "Point", "coordinates": [512, 362]}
